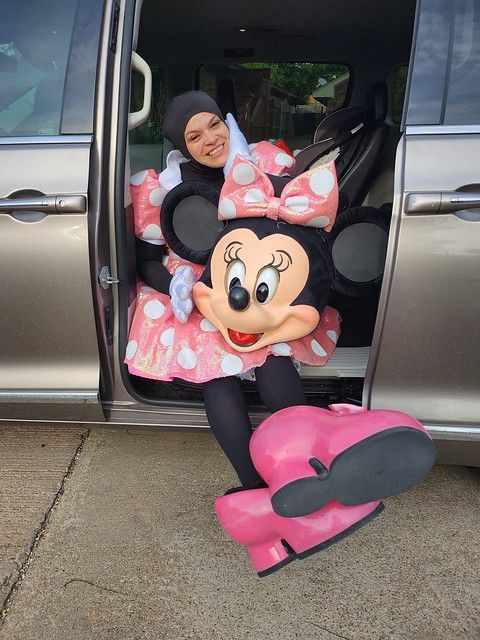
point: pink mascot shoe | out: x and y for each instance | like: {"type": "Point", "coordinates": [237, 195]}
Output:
{"type": "Point", "coordinates": [273, 541]}
{"type": "Point", "coordinates": [309, 456]}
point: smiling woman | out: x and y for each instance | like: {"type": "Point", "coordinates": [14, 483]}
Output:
{"type": "Point", "coordinates": [207, 137]}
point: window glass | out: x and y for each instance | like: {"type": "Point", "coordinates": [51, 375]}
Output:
{"type": "Point", "coordinates": [278, 100]}
{"type": "Point", "coordinates": [399, 87]}
{"type": "Point", "coordinates": [34, 48]}
{"type": "Point", "coordinates": [146, 141]}
{"type": "Point", "coordinates": [463, 88]}
{"type": "Point", "coordinates": [445, 83]}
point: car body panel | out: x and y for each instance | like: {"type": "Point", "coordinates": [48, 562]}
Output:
{"type": "Point", "coordinates": [48, 333]}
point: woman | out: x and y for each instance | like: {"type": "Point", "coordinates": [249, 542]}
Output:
{"type": "Point", "coordinates": [168, 338]}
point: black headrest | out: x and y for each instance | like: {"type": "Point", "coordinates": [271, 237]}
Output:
{"type": "Point", "coordinates": [338, 122]}
{"type": "Point", "coordinates": [379, 101]}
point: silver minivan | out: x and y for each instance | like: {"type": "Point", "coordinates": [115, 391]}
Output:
{"type": "Point", "coordinates": [83, 85]}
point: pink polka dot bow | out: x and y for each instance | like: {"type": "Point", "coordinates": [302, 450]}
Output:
{"type": "Point", "coordinates": [310, 199]}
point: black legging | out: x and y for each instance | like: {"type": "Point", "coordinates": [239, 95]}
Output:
{"type": "Point", "coordinates": [279, 386]}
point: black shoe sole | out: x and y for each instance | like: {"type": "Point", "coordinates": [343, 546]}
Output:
{"type": "Point", "coordinates": [382, 465]}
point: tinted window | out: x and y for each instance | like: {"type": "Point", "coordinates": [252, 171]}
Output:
{"type": "Point", "coordinates": [445, 78]}
{"type": "Point", "coordinates": [399, 86]}
{"type": "Point", "coordinates": [463, 87]}
{"type": "Point", "coordinates": [36, 45]}
{"type": "Point", "coordinates": [278, 100]}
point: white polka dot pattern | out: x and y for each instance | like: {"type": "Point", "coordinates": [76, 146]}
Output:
{"type": "Point", "coordinates": [281, 349]}
{"type": "Point", "coordinates": [332, 335]}
{"type": "Point", "coordinates": [322, 182]}
{"type": "Point", "coordinates": [157, 196]}
{"type": "Point", "coordinates": [152, 232]}
{"type": "Point", "coordinates": [231, 365]}
{"type": "Point", "coordinates": [299, 204]}
{"type": "Point", "coordinates": [317, 348]}
{"type": "Point", "coordinates": [227, 209]}
{"type": "Point", "coordinates": [131, 350]}
{"type": "Point", "coordinates": [308, 199]}
{"type": "Point", "coordinates": [154, 309]}
{"type": "Point", "coordinates": [243, 174]}
{"type": "Point", "coordinates": [207, 326]}
{"type": "Point", "coordinates": [254, 195]}
{"type": "Point", "coordinates": [167, 337]}
{"type": "Point", "coordinates": [186, 358]}
{"type": "Point", "coordinates": [319, 222]}
{"type": "Point", "coordinates": [138, 178]}
{"type": "Point", "coordinates": [284, 160]}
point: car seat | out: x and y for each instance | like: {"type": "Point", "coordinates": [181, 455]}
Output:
{"type": "Point", "coordinates": [354, 137]}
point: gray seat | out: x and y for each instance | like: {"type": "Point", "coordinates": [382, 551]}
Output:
{"type": "Point", "coordinates": [355, 137]}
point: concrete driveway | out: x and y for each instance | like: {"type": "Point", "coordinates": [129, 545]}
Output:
{"type": "Point", "coordinates": [110, 535]}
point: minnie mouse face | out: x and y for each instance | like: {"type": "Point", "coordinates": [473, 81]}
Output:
{"type": "Point", "coordinates": [269, 274]}
{"type": "Point", "coordinates": [255, 276]}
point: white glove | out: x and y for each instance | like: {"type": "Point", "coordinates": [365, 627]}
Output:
{"type": "Point", "coordinates": [181, 299]}
{"type": "Point", "coordinates": [238, 144]}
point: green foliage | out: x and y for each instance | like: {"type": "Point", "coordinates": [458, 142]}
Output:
{"type": "Point", "coordinates": [299, 78]}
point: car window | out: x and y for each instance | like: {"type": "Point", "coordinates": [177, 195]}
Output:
{"type": "Point", "coordinates": [35, 42]}
{"type": "Point", "coordinates": [462, 104]}
{"type": "Point", "coordinates": [445, 78]}
{"type": "Point", "coordinates": [146, 141]}
{"type": "Point", "coordinates": [278, 100]}
{"type": "Point", "coordinates": [399, 87]}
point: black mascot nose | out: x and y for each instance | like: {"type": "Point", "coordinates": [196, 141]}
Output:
{"type": "Point", "coordinates": [238, 298]}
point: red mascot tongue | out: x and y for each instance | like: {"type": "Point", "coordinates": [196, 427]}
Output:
{"type": "Point", "coordinates": [243, 339]}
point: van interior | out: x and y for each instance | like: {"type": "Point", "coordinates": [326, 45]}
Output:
{"type": "Point", "coordinates": [324, 77]}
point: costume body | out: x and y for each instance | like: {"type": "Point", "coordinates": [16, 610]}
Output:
{"type": "Point", "coordinates": [163, 348]}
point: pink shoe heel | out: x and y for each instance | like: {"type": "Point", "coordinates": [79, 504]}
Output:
{"type": "Point", "coordinates": [310, 456]}
{"type": "Point", "coordinates": [273, 541]}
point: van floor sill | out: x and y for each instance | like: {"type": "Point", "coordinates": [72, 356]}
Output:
{"type": "Point", "coordinates": [346, 362]}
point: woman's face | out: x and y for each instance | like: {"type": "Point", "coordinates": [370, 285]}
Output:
{"type": "Point", "coordinates": [206, 137]}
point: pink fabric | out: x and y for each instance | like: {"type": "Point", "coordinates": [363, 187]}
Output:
{"type": "Point", "coordinates": [311, 199]}
{"type": "Point", "coordinates": [147, 196]}
{"type": "Point", "coordinates": [272, 159]}
{"type": "Point", "coordinates": [162, 348]}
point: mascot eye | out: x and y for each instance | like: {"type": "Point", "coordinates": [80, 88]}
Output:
{"type": "Point", "coordinates": [266, 285]}
{"type": "Point", "coordinates": [235, 274]}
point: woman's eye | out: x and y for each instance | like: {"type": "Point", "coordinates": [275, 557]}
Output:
{"type": "Point", "coordinates": [235, 274]}
{"type": "Point", "coordinates": [266, 285]}
{"type": "Point", "coordinates": [215, 124]}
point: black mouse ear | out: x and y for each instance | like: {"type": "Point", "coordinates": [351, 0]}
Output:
{"type": "Point", "coordinates": [359, 244]}
{"type": "Point", "coordinates": [189, 220]}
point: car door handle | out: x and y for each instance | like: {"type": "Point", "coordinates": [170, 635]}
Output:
{"type": "Point", "coordinates": [441, 202]}
{"type": "Point", "coordinates": [46, 204]}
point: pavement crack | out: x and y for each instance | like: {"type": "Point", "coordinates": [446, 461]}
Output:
{"type": "Point", "coordinates": [23, 568]}
{"type": "Point", "coordinates": [94, 584]}
{"type": "Point", "coordinates": [315, 624]}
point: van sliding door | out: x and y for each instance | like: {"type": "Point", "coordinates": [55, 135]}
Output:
{"type": "Point", "coordinates": [49, 352]}
{"type": "Point", "coordinates": [426, 351]}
